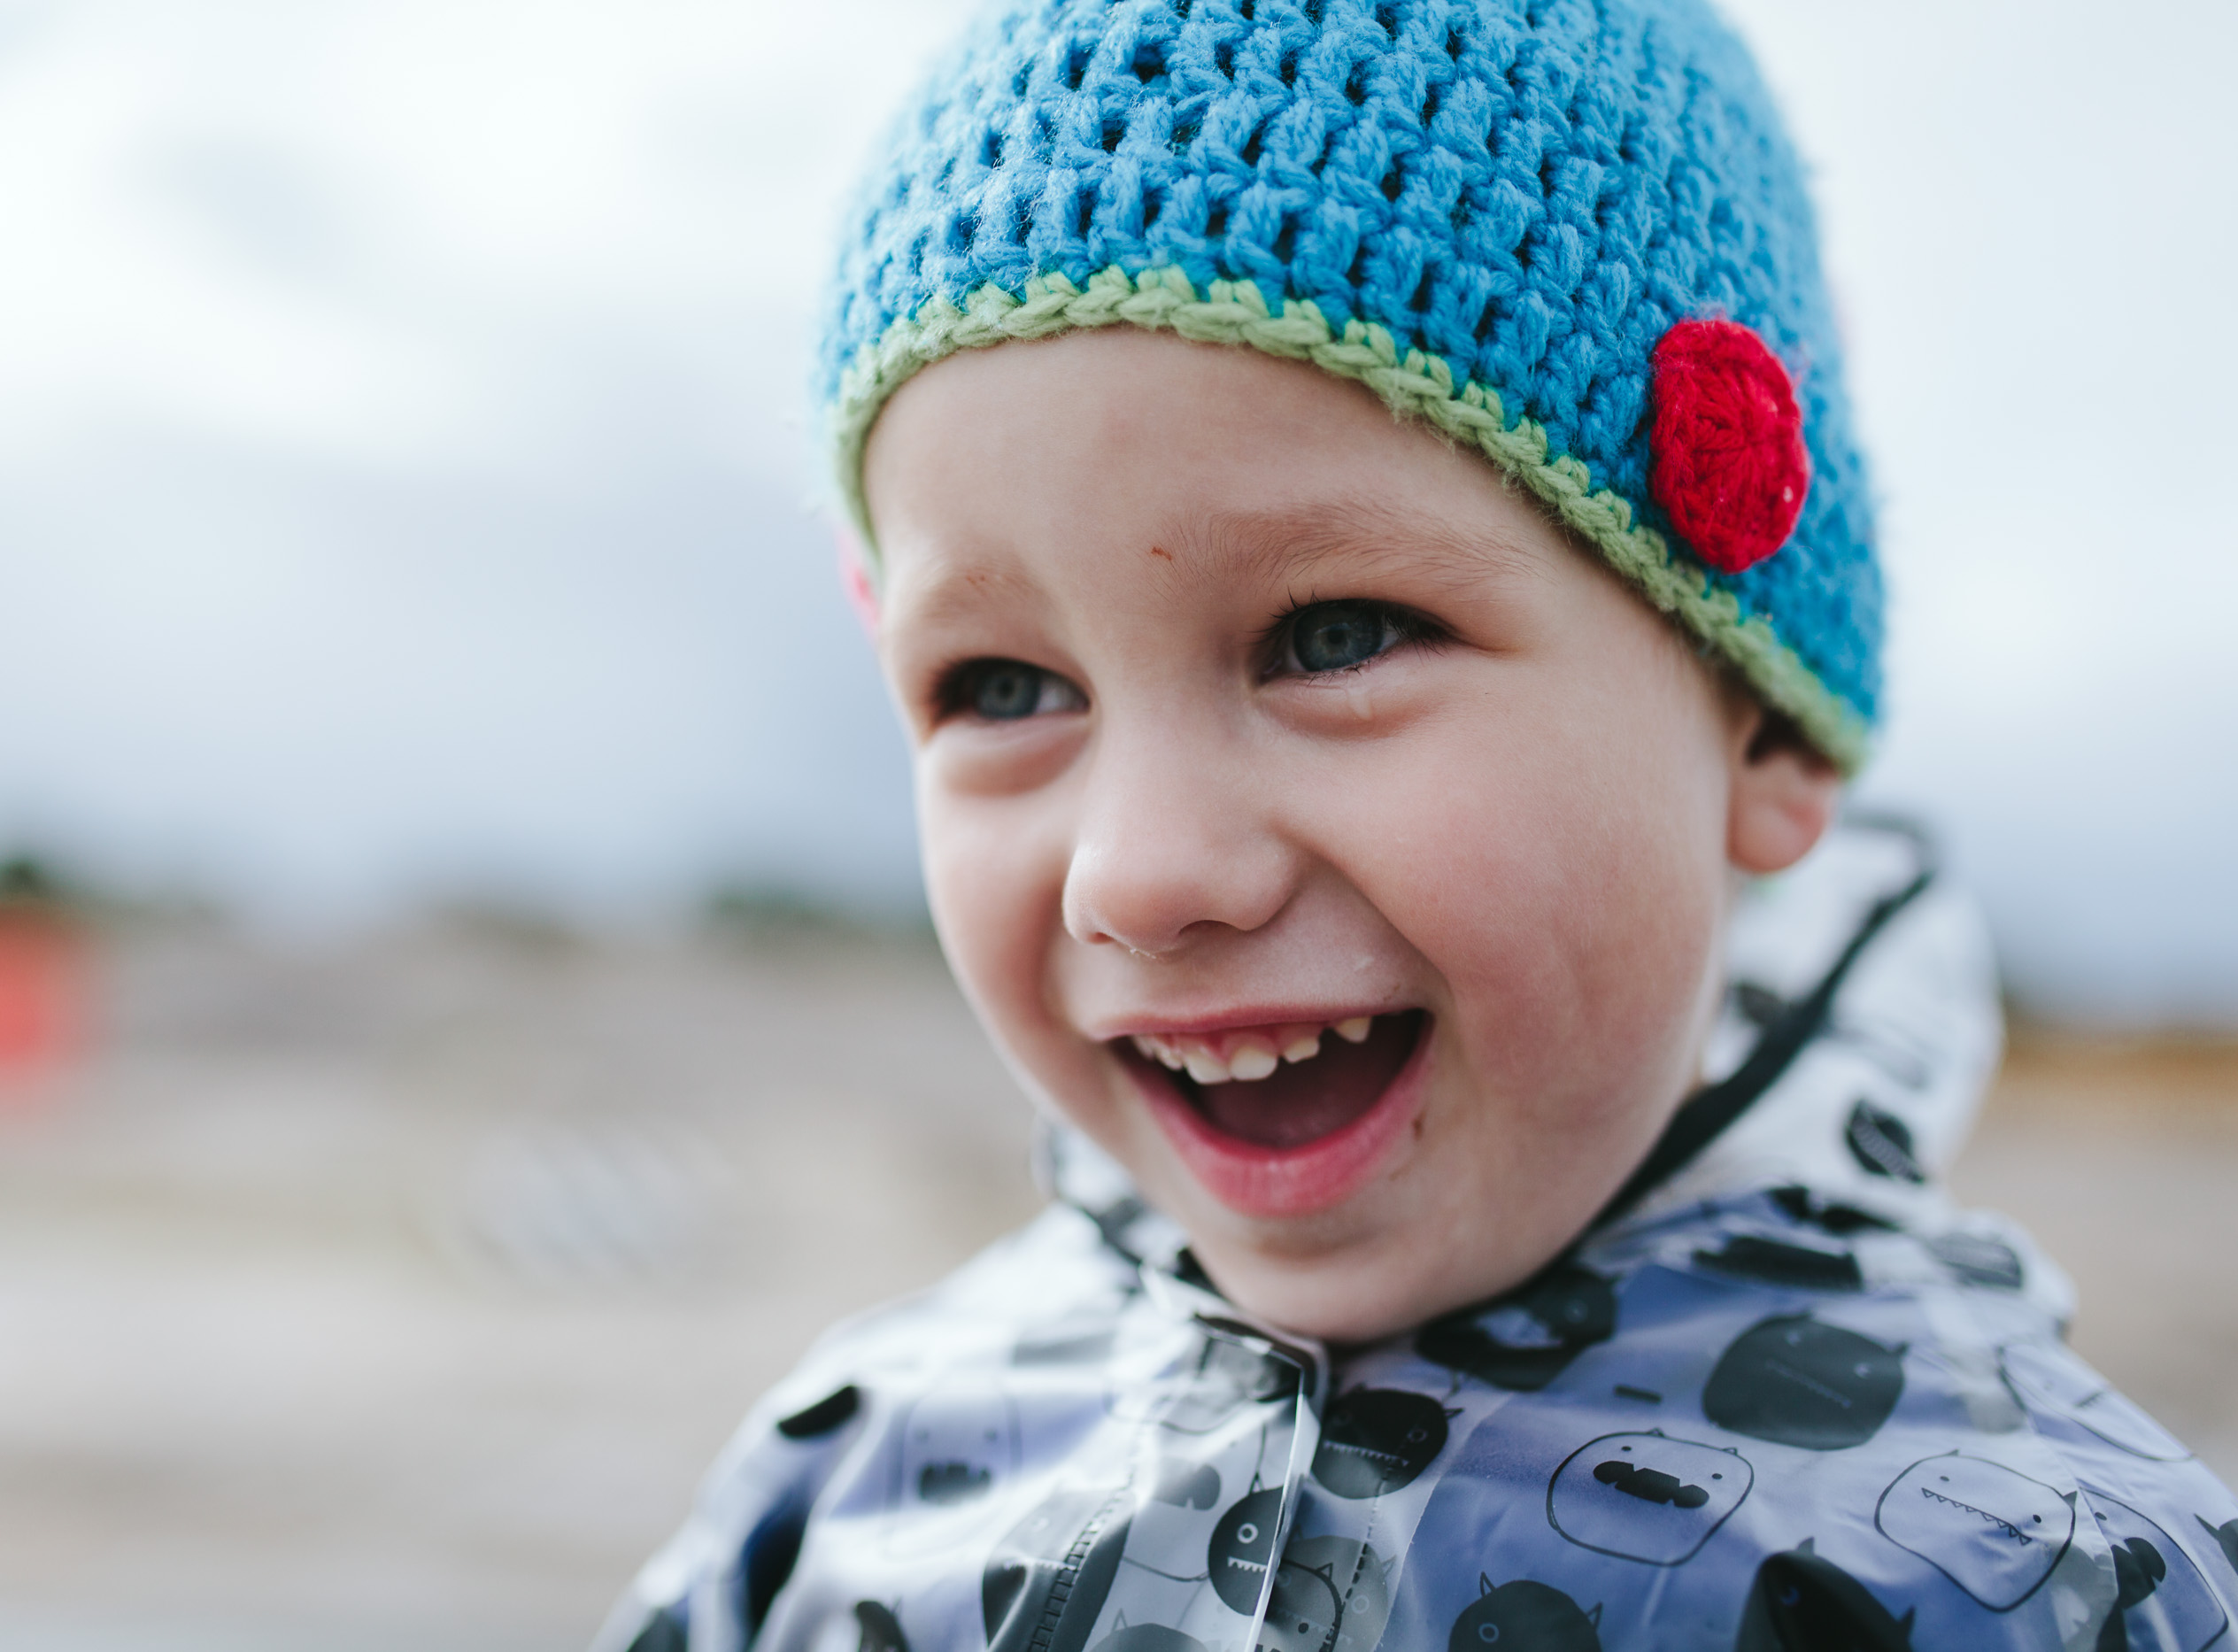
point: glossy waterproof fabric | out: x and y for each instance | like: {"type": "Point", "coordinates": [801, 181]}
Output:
{"type": "Point", "coordinates": [1797, 1400]}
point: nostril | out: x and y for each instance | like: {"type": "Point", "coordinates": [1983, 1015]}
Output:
{"type": "Point", "coordinates": [1159, 875]}
{"type": "Point", "coordinates": [1137, 919]}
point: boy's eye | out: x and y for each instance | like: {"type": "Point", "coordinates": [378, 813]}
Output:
{"type": "Point", "coordinates": [1003, 690]}
{"type": "Point", "coordinates": [1336, 635]}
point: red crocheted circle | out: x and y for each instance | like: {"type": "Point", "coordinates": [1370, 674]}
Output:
{"type": "Point", "coordinates": [1730, 467]}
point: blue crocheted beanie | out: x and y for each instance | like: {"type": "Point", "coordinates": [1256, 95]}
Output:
{"type": "Point", "coordinates": [1570, 234]}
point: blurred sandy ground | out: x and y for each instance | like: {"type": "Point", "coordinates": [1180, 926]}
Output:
{"type": "Point", "coordinates": [396, 1294]}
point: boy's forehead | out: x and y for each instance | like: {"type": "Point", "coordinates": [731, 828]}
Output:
{"type": "Point", "coordinates": [1291, 547]}
{"type": "Point", "coordinates": [997, 474]}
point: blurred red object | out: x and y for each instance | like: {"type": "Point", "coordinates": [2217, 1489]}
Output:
{"type": "Point", "coordinates": [43, 988]}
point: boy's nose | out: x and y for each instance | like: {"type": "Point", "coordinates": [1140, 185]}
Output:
{"type": "Point", "coordinates": [1169, 843]}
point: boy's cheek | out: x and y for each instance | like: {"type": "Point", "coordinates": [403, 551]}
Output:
{"type": "Point", "coordinates": [994, 874]}
{"type": "Point", "coordinates": [967, 762]}
{"type": "Point", "coordinates": [1562, 913]}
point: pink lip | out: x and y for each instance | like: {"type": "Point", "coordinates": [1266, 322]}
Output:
{"type": "Point", "coordinates": [1256, 1181]}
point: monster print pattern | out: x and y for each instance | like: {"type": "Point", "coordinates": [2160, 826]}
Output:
{"type": "Point", "coordinates": [2162, 1600]}
{"type": "Point", "coordinates": [1802, 1603]}
{"type": "Point", "coordinates": [1795, 1381]}
{"type": "Point", "coordinates": [1645, 1497]}
{"type": "Point", "coordinates": [1329, 1595]}
{"type": "Point", "coordinates": [1525, 1616]}
{"type": "Point", "coordinates": [1991, 1530]}
{"type": "Point", "coordinates": [1242, 1552]}
{"type": "Point", "coordinates": [2070, 1390]}
{"type": "Point", "coordinates": [1809, 1407]}
{"type": "Point", "coordinates": [1526, 1339]}
{"type": "Point", "coordinates": [1376, 1440]}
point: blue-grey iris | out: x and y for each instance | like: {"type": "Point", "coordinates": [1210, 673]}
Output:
{"type": "Point", "coordinates": [1004, 690]}
{"type": "Point", "coordinates": [1332, 635]}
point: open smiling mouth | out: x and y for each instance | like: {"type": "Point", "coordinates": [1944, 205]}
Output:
{"type": "Point", "coordinates": [1288, 1085]}
{"type": "Point", "coordinates": [1286, 1118]}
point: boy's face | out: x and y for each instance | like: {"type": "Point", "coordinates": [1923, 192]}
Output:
{"type": "Point", "coordinates": [1314, 826]}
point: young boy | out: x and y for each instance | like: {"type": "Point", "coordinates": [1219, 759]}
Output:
{"type": "Point", "coordinates": [1494, 1208]}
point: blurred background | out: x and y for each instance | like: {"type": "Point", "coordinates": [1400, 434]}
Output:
{"type": "Point", "coordinates": [465, 1016]}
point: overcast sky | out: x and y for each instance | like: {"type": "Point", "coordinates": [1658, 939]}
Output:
{"type": "Point", "coordinates": [404, 488]}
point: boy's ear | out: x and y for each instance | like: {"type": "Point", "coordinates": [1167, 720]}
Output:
{"type": "Point", "coordinates": [1783, 793]}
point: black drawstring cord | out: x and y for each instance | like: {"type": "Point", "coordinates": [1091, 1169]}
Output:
{"type": "Point", "coordinates": [1706, 1113]}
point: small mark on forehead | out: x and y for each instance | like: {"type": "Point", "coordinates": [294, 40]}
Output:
{"type": "Point", "coordinates": [1160, 553]}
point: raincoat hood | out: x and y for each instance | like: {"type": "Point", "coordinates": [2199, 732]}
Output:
{"type": "Point", "coordinates": [1783, 1393]}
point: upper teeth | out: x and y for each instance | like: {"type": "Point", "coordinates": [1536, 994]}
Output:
{"type": "Point", "coordinates": [1250, 1062]}
{"type": "Point", "coordinates": [1251, 1056]}
{"type": "Point", "coordinates": [1206, 1068]}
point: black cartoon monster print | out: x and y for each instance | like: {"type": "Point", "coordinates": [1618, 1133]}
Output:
{"type": "Point", "coordinates": [1148, 1638]}
{"type": "Point", "coordinates": [880, 1631]}
{"type": "Point", "coordinates": [1777, 1262]}
{"type": "Point", "coordinates": [1526, 1339]}
{"type": "Point", "coordinates": [766, 1558]}
{"type": "Point", "coordinates": [1243, 1547]}
{"type": "Point", "coordinates": [813, 1421]}
{"type": "Point", "coordinates": [2139, 1571]}
{"type": "Point", "coordinates": [1800, 1603]}
{"type": "Point", "coordinates": [1882, 1143]}
{"type": "Point", "coordinates": [1646, 1496]}
{"type": "Point", "coordinates": [1229, 1377]}
{"type": "Point", "coordinates": [1049, 1576]}
{"type": "Point", "coordinates": [1977, 1258]}
{"type": "Point", "coordinates": [1828, 1215]}
{"type": "Point", "coordinates": [957, 1444]}
{"type": "Point", "coordinates": [1523, 1616]}
{"type": "Point", "coordinates": [1795, 1381]}
{"type": "Point", "coordinates": [2161, 1601]}
{"type": "Point", "coordinates": [1187, 1485]}
{"type": "Point", "coordinates": [2140, 1568]}
{"type": "Point", "coordinates": [1376, 1440]}
{"type": "Point", "coordinates": [1649, 1485]}
{"type": "Point", "coordinates": [1759, 1005]}
{"type": "Point", "coordinates": [2043, 1381]}
{"type": "Point", "coordinates": [1991, 1530]}
{"type": "Point", "coordinates": [1331, 1595]}
{"type": "Point", "coordinates": [2225, 1536]}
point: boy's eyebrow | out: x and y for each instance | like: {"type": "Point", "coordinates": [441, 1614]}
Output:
{"type": "Point", "coordinates": [956, 591]}
{"type": "Point", "coordinates": [1275, 546]}
{"type": "Point", "coordinates": [1290, 542]}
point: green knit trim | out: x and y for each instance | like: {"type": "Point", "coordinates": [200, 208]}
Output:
{"type": "Point", "coordinates": [1412, 383]}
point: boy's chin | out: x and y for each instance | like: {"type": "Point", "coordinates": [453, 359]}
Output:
{"type": "Point", "coordinates": [1388, 1280]}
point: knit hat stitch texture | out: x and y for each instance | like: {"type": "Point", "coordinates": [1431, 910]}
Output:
{"type": "Point", "coordinates": [1489, 211]}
